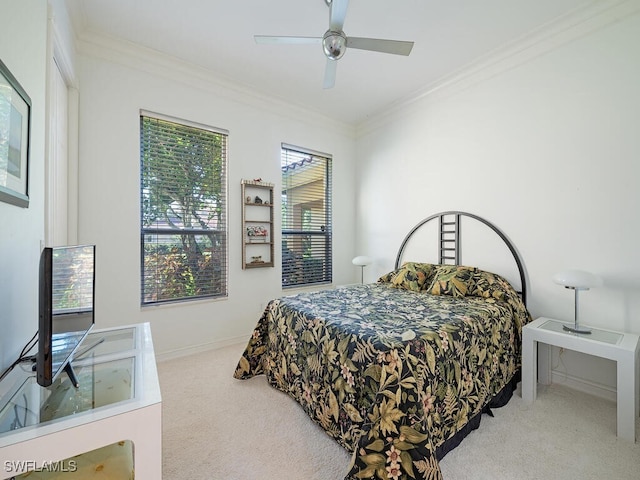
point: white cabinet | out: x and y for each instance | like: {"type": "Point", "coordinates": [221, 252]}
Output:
{"type": "Point", "coordinates": [118, 399]}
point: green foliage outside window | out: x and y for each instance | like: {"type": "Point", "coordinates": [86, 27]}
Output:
{"type": "Point", "coordinates": [183, 209]}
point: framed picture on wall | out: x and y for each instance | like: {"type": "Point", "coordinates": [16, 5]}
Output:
{"type": "Point", "coordinates": [15, 118]}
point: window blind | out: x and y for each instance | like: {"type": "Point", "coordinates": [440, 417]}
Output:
{"type": "Point", "coordinates": [306, 217]}
{"type": "Point", "coordinates": [183, 199]}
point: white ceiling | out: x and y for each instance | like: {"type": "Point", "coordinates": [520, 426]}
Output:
{"type": "Point", "coordinates": [218, 35]}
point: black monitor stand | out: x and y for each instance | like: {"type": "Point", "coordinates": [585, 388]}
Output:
{"type": "Point", "coordinates": [68, 369]}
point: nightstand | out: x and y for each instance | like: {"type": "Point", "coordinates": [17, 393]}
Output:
{"type": "Point", "coordinates": [621, 347]}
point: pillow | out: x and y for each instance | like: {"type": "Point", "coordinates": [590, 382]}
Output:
{"type": "Point", "coordinates": [388, 277]}
{"type": "Point", "coordinates": [490, 285]}
{"type": "Point", "coordinates": [411, 276]}
{"type": "Point", "coordinates": [454, 280]}
{"type": "Point", "coordinates": [493, 287]}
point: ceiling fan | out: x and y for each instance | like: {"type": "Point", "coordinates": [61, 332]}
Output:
{"type": "Point", "coordinates": [334, 42]}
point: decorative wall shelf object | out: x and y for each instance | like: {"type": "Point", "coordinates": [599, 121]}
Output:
{"type": "Point", "coordinates": [257, 224]}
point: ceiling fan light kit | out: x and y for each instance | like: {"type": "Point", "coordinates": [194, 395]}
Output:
{"type": "Point", "coordinates": [335, 42]}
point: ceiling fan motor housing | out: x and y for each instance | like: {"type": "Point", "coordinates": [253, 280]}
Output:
{"type": "Point", "coordinates": [334, 44]}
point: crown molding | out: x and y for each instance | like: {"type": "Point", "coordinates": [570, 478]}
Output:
{"type": "Point", "coordinates": [565, 29]}
{"type": "Point", "coordinates": [159, 64]}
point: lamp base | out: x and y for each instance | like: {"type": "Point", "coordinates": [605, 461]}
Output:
{"type": "Point", "coordinates": [576, 329]}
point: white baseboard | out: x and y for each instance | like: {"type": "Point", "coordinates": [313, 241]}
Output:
{"type": "Point", "coordinates": [582, 385]}
{"type": "Point", "coordinates": [202, 347]}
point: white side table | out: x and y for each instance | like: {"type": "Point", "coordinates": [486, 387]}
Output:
{"type": "Point", "coordinates": [59, 423]}
{"type": "Point", "coordinates": [620, 347]}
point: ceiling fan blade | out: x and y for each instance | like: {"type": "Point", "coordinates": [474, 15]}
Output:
{"type": "Point", "coordinates": [330, 73]}
{"type": "Point", "coordinates": [275, 40]}
{"type": "Point", "coordinates": [337, 13]}
{"type": "Point", "coordinates": [396, 47]}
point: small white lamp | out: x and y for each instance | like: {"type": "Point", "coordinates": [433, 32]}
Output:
{"type": "Point", "coordinates": [577, 280]}
{"type": "Point", "coordinates": [362, 261]}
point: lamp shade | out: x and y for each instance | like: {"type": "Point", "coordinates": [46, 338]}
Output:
{"type": "Point", "coordinates": [362, 261]}
{"type": "Point", "coordinates": [577, 279]}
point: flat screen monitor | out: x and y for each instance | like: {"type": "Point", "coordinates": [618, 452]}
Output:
{"type": "Point", "coordinates": [66, 313]}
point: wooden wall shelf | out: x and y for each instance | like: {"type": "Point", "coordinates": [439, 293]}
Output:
{"type": "Point", "coordinates": [257, 224]}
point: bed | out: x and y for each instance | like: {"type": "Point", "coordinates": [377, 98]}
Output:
{"type": "Point", "coordinates": [400, 370]}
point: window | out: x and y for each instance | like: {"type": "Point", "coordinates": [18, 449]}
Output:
{"type": "Point", "coordinates": [183, 210]}
{"type": "Point", "coordinates": [306, 217]}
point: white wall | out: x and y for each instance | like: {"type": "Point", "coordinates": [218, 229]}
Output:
{"type": "Point", "coordinates": [115, 83]}
{"type": "Point", "coordinates": [547, 147]}
{"type": "Point", "coordinates": [551, 135]}
{"type": "Point", "coordinates": [23, 48]}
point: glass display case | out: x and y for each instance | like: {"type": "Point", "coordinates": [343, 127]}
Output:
{"type": "Point", "coordinates": [101, 384]}
{"type": "Point", "coordinates": [118, 399]}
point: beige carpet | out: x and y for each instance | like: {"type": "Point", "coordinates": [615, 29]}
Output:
{"type": "Point", "coordinates": [219, 428]}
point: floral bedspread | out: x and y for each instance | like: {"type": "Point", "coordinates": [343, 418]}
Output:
{"type": "Point", "coordinates": [390, 374]}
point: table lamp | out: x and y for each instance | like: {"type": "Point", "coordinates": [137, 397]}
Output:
{"type": "Point", "coordinates": [577, 280]}
{"type": "Point", "coordinates": [362, 261]}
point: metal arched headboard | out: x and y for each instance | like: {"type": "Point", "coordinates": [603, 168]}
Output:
{"type": "Point", "coordinates": [450, 245]}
